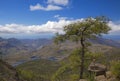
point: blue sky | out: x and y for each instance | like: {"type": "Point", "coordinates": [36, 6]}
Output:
{"type": "Point", "coordinates": [42, 17]}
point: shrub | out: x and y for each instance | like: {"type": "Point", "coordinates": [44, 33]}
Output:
{"type": "Point", "coordinates": [2, 79]}
{"type": "Point", "coordinates": [115, 68]}
{"type": "Point", "coordinates": [74, 77]}
{"type": "Point", "coordinates": [27, 75]}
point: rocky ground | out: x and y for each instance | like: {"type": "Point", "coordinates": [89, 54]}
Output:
{"type": "Point", "coordinates": [109, 77]}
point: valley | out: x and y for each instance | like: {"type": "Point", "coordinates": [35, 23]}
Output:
{"type": "Point", "coordinates": [42, 57]}
{"type": "Point", "coordinates": [17, 51]}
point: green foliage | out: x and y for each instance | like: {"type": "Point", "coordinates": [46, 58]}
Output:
{"type": "Point", "coordinates": [74, 59]}
{"type": "Point", "coordinates": [58, 74]}
{"type": "Point", "coordinates": [94, 55]}
{"type": "Point", "coordinates": [70, 68]}
{"type": "Point", "coordinates": [74, 77]}
{"type": "Point", "coordinates": [30, 76]}
{"type": "Point", "coordinates": [80, 32]}
{"type": "Point", "coordinates": [2, 79]}
{"type": "Point", "coordinates": [115, 68]}
{"type": "Point", "coordinates": [42, 70]}
{"type": "Point", "coordinates": [90, 27]}
{"type": "Point", "coordinates": [91, 77]}
{"type": "Point", "coordinates": [27, 75]}
{"type": "Point", "coordinates": [59, 38]}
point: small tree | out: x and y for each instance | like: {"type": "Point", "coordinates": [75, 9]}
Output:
{"type": "Point", "coordinates": [81, 32]}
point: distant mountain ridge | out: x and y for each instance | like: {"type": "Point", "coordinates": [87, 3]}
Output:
{"type": "Point", "coordinates": [19, 44]}
{"type": "Point", "coordinates": [22, 50]}
{"type": "Point", "coordinates": [35, 43]}
{"type": "Point", "coordinates": [16, 49]}
{"type": "Point", "coordinates": [104, 41]}
{"type": "Point", "coordinates": [13, 42]}
{"type": "Point", "coordinates": [112, 37]}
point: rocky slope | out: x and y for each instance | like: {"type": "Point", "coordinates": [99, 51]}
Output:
{"type": "Point", "coordinates": [8, 73]}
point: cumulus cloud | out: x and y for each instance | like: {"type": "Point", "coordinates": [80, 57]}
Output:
{"type": "Point", "coordinates": [48, 8]}
{"type": "Point", "coordinates": [48, 27]}
{"type": "Point", "coordinates": [51, 5]}
{"type": "Point", "coordinates": [115, 28]}
{"type": "Point", "coordinates": [58, 2]}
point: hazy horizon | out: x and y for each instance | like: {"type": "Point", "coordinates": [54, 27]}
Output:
{"type": "Point", "coordinates": [50, 36]}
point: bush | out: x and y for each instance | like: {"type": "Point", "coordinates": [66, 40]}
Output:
{"type": "Point", "coordinates": [27, 75]}
{"type": "Point", "coordinates": [2, 79]}
{"type": "Point", "coordinates": [115, 68]}
{"type": "Point", "coordinates": [74, 77]}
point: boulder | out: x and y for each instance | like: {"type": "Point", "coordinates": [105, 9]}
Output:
{"type": "Point", "coordinates": [97, 69]}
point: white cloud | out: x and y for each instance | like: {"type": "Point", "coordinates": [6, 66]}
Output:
{"type": "Point", "coordinates": [36, 7]}
{"type": "Point", "coordinates": [51, 5]}
{"type": "Point", "coordinates": [48, 8]}
{"type": "Point", "coordinates": [115, 28]}
{"type": "Point", "coordinates": [48, 27]}
{"type": "Point", "coordinates": [60, 18]}
{"type": "Point", "coordinates": [58, 2]}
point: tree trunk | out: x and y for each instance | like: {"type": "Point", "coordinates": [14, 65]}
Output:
{"type": "Point", "coordinates": [82, 58]}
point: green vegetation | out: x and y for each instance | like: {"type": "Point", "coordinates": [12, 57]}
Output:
{"type": "Point", "coordinates": [30, 76]}
{"type": "Point", "coordinates": [80, 32]}
{"type": "Point", "coordinates": [91, 77]}
{"type": "Point", "coordinates": [7, 72]}
{"type": "Point", "coordinates": [69, 70]}
{"type": "Point", "coordinates": [65, 70]}
{"type": "Point", "coordinates": [38, 70]}
{"type": "Point", "coordinates": [115, 68]}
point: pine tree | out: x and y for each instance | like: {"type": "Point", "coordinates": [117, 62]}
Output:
{"type": "Point", "coordinates": [81, 32]}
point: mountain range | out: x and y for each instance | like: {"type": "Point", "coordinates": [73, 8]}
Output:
{"type": "Point", "coordinates": [17, 51]}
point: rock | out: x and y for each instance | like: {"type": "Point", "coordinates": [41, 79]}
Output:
{"type": "Point", "coordinates": [100, 78]}
{"type": "Point", "coordinates": [110, 77]}
{"type": "Point", "coordinates": [82, 80]}
{"type": "Point", "coordinates": [97, 68]}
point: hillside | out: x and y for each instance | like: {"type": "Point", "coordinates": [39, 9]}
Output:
{"type": "Point", "coordinates": [44, 60]}
{"type": "Point", "coordinates": [7, 72]}
{"type": "Point", "coordinates": [41, 68]}
{"type": "Point", "coordinates": [52, 55]}
{"type": "Point", "coordinates": [46, 67]}
{"type": "Point", "coordinates": [6, 45]}
{"type": "Point", "coordinates": [15, 49]}
{"type": "Point", "coordinates": [56, 53]}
